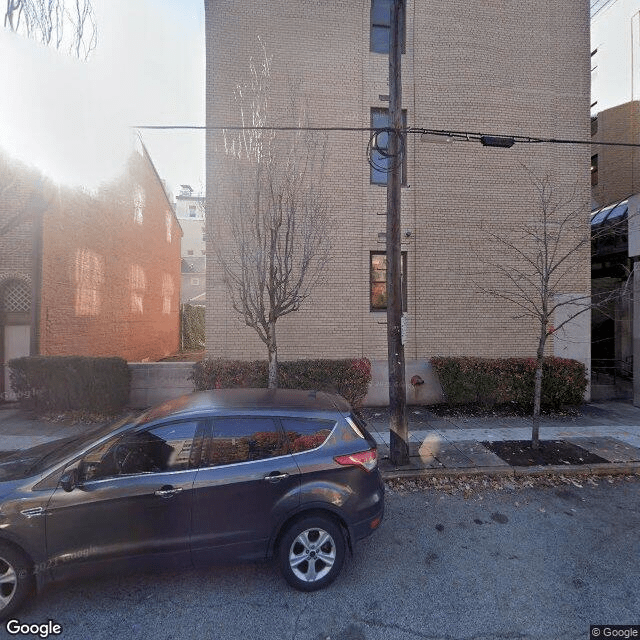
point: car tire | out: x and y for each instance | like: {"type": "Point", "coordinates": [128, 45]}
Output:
{"type": "Point", "coordinates": [16, 579]}
{"type": "Point", "coordinates": [311, 553]}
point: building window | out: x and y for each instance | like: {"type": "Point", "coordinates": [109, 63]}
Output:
{"type": "Point", "coordinates": [380, 163]}
{"type": "Point", "coordinates": [192, 211]}
{"type": "Point", "coordinates": [594, 170]}
{"type": "Point", "coordinates": [378, 280]}
{"type": "Point", "coordinates": [167, 293]}
{"type": "Point", "coordinates": [139, 199]}
{"type": "Point", "coordinates": [594, 125]}
{"type": "Point", "coordinates": [190, 252]}
{"type": "Point", "coordinates": [138, 285]}
{"type": "Point", "coordinates": [195, 282]}
{"type": "Point", "coordinates": [381, 26]}
{"type": "Point", "coordinates": [169, 224]}
{"type": "Point", "coordinates": [90, 276]}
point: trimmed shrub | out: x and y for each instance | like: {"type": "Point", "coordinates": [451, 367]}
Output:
{"type": "Point", "coordinates": [490, 382]}
{"type": "Point", "coordinates": [69, 383]}
{"type": "Point", "coordinates": [228, 374]}
{"type": "Point", "coordinates": [347, 377]}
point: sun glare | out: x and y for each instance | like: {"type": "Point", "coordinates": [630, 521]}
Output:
{"type": "Point", "coordinates": [56, 116]}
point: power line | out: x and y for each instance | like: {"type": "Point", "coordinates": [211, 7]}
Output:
{"type": "Point", "coordinates": [455, 136]}
{"type": "Point", "coordinates": [464, 136]}
{"type": "Point", "coordinates": [243, 128]}
{"type": "Point", "coordinates": [599, 5]}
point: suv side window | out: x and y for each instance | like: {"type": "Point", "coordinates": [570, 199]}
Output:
{"type": "Point", "coordinates": [169, 447]}
{"type": "Point", "coordinates": [305, 434]}
{"type": "Point", "coordinates": [243, 438]}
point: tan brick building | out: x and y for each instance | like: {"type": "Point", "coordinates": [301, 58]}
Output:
{"type": "Point", "coordinates": [490, 67]}
{"type": "Point", "coordinates": [615, 172]}
{"type": "Point", "coordinates": [94, 274]}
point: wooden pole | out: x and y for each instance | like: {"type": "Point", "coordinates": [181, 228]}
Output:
{"type": "Point", "coordinates": [399, 432]}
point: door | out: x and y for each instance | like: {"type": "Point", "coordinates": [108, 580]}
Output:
{"type": "Point", "coordinates": [134, 500]}
{"type": "Point", "coordinates": [16, 345]}
{"type": "Point", "coordinates": [246, 483]}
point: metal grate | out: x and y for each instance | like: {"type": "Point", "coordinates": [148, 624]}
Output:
{"type": "Point", "coordinates": [16, 297]}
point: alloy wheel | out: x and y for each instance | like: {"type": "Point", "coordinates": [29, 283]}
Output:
{"type": "Point", "coordinates": [312, 555]}
{"type": "Point", "coordinates": [8, 583]}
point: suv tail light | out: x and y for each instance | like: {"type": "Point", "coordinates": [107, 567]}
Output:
{"type": "Point", "coordinates": [365, 459]}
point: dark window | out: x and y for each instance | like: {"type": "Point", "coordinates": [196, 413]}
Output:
{"type": "Point", "coordinates": [241, 439]}
{"type": "Point", "coordinates": [594, 125]}
{"type": "Point", "coordinates": [305, 434]}
{"type": "Point", "coordinates": [166, 448]}
{"type": "Point", "coordinates": [381, 26]}
{"type": "Point", "coordinates": [380, 163]}
{"type": "Point", "coordinates": [594, 170]}
{"type": "Point", "coordinates": [378, 280]}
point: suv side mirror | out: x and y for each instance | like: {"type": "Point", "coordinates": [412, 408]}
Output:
{"type": "Point", "coordinates": [69, 480]}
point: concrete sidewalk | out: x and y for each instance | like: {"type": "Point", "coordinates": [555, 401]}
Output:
{"type": "Point", "coordinates": [20, 430]}
{"type": "Point", "coordinates": [453, 445]}
{"type": "Point", "coordinates": [438, 445]}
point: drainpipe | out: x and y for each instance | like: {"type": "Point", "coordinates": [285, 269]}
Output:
{"type": "Point", "coordinates": [39, 206]}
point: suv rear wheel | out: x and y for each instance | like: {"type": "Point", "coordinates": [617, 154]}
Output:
{"type": "Point", "coordinates": [312, 553]}
{"type": "Point", "coordinates": [16, 580]}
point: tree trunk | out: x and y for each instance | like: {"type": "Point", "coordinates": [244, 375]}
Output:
{"type": "Point", "coordinates": [537, 395]}
{"type": "Point", "coordinates": [273, 356]}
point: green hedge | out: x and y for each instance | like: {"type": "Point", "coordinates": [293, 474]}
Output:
{"type": "Point", "coordinates": [192, 327]}
{"type": "Point", "coordinates": [348, 377]}
{"type": "Point", "coordinates": [69, 383]}
{"type": "Point", "coordinates": [491, 382]}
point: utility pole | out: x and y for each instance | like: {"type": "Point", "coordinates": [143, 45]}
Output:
{"type": "Point", "coordinates": [399, 433]}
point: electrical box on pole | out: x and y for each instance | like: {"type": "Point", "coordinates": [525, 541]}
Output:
{"type": "Point", "coordinates": [497, 141]}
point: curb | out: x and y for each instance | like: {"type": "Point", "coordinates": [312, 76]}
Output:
{"type": "Point", "coordinates": [603, 469]}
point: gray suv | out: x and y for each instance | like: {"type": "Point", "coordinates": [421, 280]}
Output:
{"type": "Point", "coordinates": [240, 474]}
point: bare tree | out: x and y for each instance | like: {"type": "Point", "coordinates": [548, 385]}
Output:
{"type": "Point", "coordinates": [532, 267]}
{"type": "Point", "coordinates": [62, 24]}
{"type": "Point", "coordinates": [276, 244]}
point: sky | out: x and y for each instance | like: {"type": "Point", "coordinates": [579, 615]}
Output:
{"type": "Point", "coordinates": [72, 119]}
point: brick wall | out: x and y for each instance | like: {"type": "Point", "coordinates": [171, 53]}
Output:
{"type": "Point", "coordinates": [17, 186]}
{"type": "Point", "coordinates": [618, 167]}
{"type": "Point", "coordinates": [111, 270]}
{"type": "Point", "coordinates": [488, 67]}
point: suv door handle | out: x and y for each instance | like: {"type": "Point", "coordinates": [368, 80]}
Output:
{"type": "Point", "coordinates": [276, 476]}
{"type": "Point", "coordinates": [167, 491]}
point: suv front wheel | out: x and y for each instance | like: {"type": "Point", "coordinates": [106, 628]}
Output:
{"type": "Point", "coordinates": [16, 580]}
{"type": "Point", "coordinates": [312, 553]}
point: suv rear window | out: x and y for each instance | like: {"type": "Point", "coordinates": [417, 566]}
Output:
{"type": "Point", "coordinates": [305, 434]}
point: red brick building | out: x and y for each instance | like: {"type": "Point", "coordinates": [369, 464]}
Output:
{"type": "Point", "coordinates": [88, 273]}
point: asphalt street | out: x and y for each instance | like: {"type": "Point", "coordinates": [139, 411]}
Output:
{"type": "Point", "coordinates": [516, 563]}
